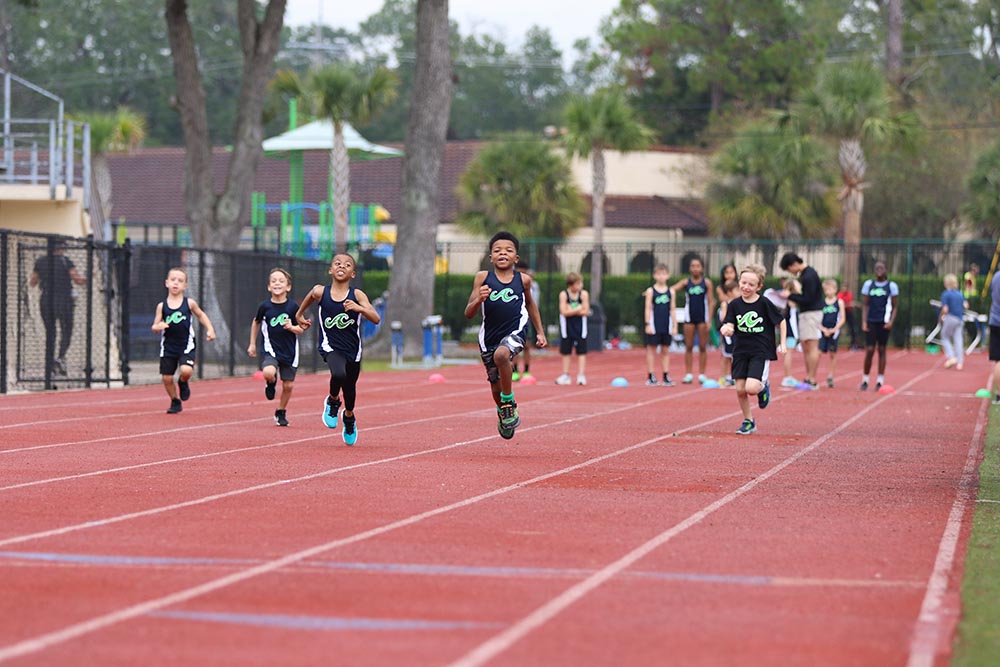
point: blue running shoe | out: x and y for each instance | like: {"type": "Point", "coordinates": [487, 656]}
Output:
{"type": "Point", "coordinates": [350, 432]}
{"type": "Point", "coordinates": [331, 408]}
{"type": "Point", "coordinates": [747, 427]}
{"type": "Point", "coordinates": [764, 397]}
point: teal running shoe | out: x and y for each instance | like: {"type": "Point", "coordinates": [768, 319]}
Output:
{"type": "Point", "coordinates": [331, 409]}
{"type": "Point", "coordinates": [350, 432]}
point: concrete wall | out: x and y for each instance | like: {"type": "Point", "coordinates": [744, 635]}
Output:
{"type": "Point", "coordinates": [29, 208]}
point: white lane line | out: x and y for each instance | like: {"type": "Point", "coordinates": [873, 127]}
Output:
{"type": "Point", "coordinates": [929, 628]}
{"type": "Point", "coordinates": [65, 634]}
{"type": "Point", "coordinates": [323, 473]}
{"type": "Point", "coordinates": [504, 640]}
{"type": "Point", "coordinates": [149, 434]}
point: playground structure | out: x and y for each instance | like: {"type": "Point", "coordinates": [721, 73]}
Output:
{"type": "Point", "coordinates": [307, 230]}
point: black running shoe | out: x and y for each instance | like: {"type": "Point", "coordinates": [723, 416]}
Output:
{"type": "Point", "coordinates": [184, 389]}
{"type": "Point", "coordinates": [279, 418]}
{"type": "Point", "coordinates": [269, 390]}
{"type": "Point", "coordinates": [667, 382]}
{"type": "Point", "coordinates": [764, 397]}
{"type": "Point", "coordinates": [175, 406]}
{"type": "Point", "coordinates": [864, 386]}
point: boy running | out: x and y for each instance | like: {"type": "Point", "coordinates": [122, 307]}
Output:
{"type": "Point", "coordinates": [751, 320]}
{"type": "Point", "coordinates": [503, 296]}
{"type": "Point", "coordinates": [275, 318]}
{"type": "Point", "coordinates": [341, 308]}
{"type": "Point", "coordinates": [177, 339]}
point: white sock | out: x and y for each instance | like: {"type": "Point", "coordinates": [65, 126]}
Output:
{"type": "Point", "coordinates": [880, 379]}
{"type": "Point", "coordinates": [864, 378]}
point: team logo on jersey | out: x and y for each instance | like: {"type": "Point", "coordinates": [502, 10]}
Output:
{"type": "Point", "coordinates": [750, 322]}
{"type": "Point", "coordinates": [280, 320]}
{"type": "Point", "coordinates": [506, 295]}
{"type": "Point", "coordinates": [339, 321]}
{"type": "Point", "coordinates": [696, 290]}
{"type": "Point", "coordinates": [175, 317]}
{"type": "Point", "coordinates": [830, 308]}
{"type": "Point", "coordinates": [878, 291]}
{"type": "Point", "coordinates": [662, 298]}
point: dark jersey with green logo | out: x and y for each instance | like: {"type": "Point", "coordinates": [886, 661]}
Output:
{"type": "Point", "coordinates": [879, 299]}
{"type": "Point", "coordinates": [279, 342]}
{"type": "Point", "coordinates": [697, 301]}
{"type": "Point", "coordinates": [178, 338]}
{"type": "Point", "coordinates": [754, 323]}
{"type": "Point", "coordinates": [341, 330]}
{"type": "Point", "coordinates": [661, 311]}
{"type": "Point", "coordinates": [504, 311]}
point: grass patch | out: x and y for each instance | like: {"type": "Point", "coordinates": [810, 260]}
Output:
{"type": "Point", "coordinates": [978, 640]}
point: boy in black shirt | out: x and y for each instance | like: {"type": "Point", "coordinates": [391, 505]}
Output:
{"type": "Point", "coordinates": [751, 320]}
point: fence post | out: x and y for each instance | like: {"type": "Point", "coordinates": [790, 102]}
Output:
{"type": "Point", "coordinates": [124, 278]}
{"type": "Point", "coordinates": [88, 371]}
{"type": "Point", "coordinates": [201, 329]}
{"type": "Point", "coordinates": [396, 344]}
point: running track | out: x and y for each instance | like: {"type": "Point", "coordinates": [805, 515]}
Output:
{"type": "Point", "coordinates": [622, 526]}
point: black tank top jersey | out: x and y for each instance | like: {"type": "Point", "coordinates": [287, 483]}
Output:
{"type": "Point", "coordinates": [341, 330]}
{"type": "Point", "coordinates": [279, 342]}
{"type": "Point", "coordinates": [178, 337]}
{"type": "Point", "coordinates": [831, 311]}
{"type": "Point", "coordinates": [697, 301]}
{"type": "Point", "coordinates": [575, 326]}
{"type": "Point", "coordinates": [661, 311]}
{"type": "Point", "coordinates": [504, 311]}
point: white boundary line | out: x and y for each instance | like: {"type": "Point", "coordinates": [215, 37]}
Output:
{"type": "Point", "coordinates": [504, 639]}
{"type": "Point", "coordinates": [929, 626]}
{"type": "Point", "coordinates": [323, 473]}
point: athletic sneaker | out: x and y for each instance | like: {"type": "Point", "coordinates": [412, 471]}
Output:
{"type": "Point", "coordinates": [564, 379]}
{"type": "Point", "coordinates": [764, 397]}
{"type": "Point", "coordinates": [651, 382]}
{"type": "Point", "coordinates": [515, 376]}
{"type": "Point", "coordinates": [581, 380]}
{"type": "Point", "coordinates": [667, 382]}
{"type": "Point", "coordinates": [279, 418]}
{"type": "Point", "coordinates": [175, 406]}
{"type": "Point", "coordinates": [184, 389]}
{"type": "Point", "coordinates": [747, 427]}
{"type": "Point", "coordinates": [730, 382]}
{"type": "Point", "coordinates": [350, 432]}
{"type": "Point", "coordinates": [269, 390]}
{"type": "Point", "coordinates": [525, 375]}
{"type": "Point", "coordinates": [688, 379]}
{"type": "Point", "coordinates": [829, 382]}
{"type": "Point", "coordinates": [509, 418]}
{"type": "Point", "coordinates": [702, 379]}
{"type": "Point", "coordinates": [789, 382]}
{"type": "Point", "coordinates": [331, 409]}
{"type": "Point", "coordinates": [864, 385]}
{"type": "Point", "coordinates": [996, 399]}
{"type": "Point", "coordinates": [59, 366]}
{"type": "Point", "coordinates": [878, 385]}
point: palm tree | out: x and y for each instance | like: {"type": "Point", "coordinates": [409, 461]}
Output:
{"type": "Point", "coordinates": [341, 95]}
{"type": "Point", "coordinates": [771, 183]}
{"type": "Point", "coordinates": [122, 131]}
{"type": "Point", "coordinates": [594, 124]}
{"type": "Point", "coordinates": [851, 105]}
{"type": "Point", "coordinates": [521, 186]}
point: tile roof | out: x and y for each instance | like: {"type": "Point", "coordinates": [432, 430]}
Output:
{"type": "Point", "coordinates": [148, 187]}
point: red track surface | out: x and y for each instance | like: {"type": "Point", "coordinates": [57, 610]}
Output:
{"type": "Point", "coordinates": [625, 526]}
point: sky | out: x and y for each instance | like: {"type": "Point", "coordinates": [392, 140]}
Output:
{"type": "Point", "coordinates": [507, 19]}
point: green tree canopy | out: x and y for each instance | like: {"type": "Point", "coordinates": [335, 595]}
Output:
{"type": "Point", "coordinates": [520, 185]}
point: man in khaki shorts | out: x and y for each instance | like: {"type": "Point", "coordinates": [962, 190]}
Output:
{"type": "Point", "coordinates": [810, 302]}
